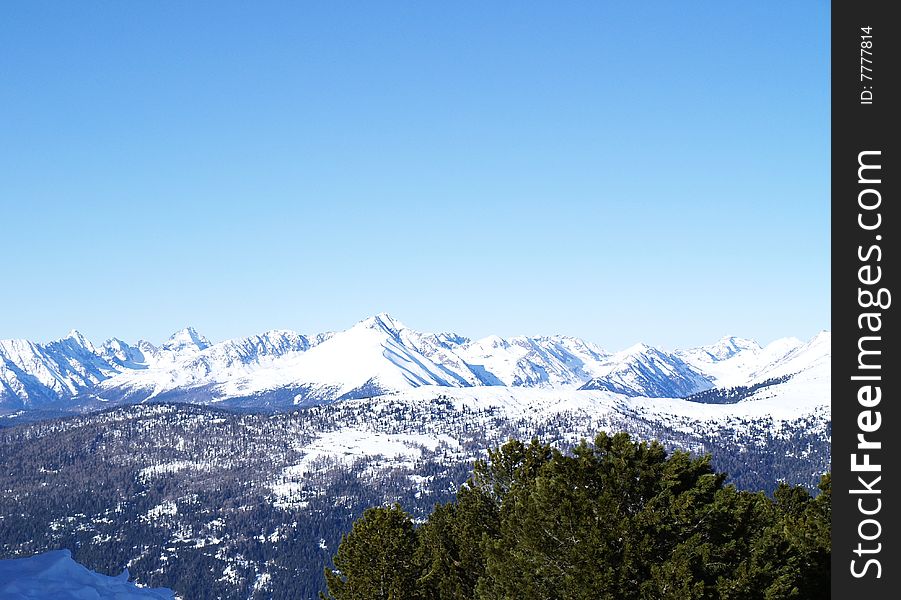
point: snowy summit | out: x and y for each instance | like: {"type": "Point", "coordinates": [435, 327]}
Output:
{"type": "Point", "coordinates": [378, 355]}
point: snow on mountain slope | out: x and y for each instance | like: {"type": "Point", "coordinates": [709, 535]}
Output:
{"type": "Point", "coordinates": [812, 359]}
{"type": "Point", "coordinates": [122, 355]}
{"type": "Point", "coordinates": [777, 405]}
{"type": "Point", "coordinates": [780, 403]}
{"type": "Point", "coordinates": [725, 348]}
{"type": "Point", "coordinates": [33, 374]}
{"type": "Point", "coordinates": [375, 356]}
{"type": "Point", "coordinates": [750, 363]}
{"type": "Point", "coordinates": [56, 575]}
{"type": "Point", "coordinates": [808, 394]}
{"type": "Point", "coordinates": [527, 362]}
{"type": "Point", "coordinates": [367, 359]}
{"type": "Point", "coordinates": [186, 361]}
{"type": "Point", "coordinates": [645, 371]}
{"type": "Point", "coordinates": [186, 339]}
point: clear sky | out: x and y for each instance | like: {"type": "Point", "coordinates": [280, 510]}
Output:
{"type": "Point", "coordinates": [620, 171]}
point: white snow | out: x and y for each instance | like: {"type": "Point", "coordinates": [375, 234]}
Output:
{"type": "Point", "coordinates": [806, 394]}
{"type": "Point", "coordinates": [346, 446]}
{"type": "Point", "coordinates": [175, 466]}
{"type": "Point", "coordinates": [381, 355]}
{"type": "Point", "coordinates": [752, 364]}
{"type": "Point", "coordinates": [186, 339]}
{"type": "Point", "coordinates": [167, 508]}
{"type": "Point", "coordinates": [56, 575]}
{"type": "Point", "coordinates": [373, 437]}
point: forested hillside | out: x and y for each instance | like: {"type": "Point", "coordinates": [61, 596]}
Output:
{"type": "Point", "coordinates": [613, 519]}
{"type": "Point", "coordinates": [217, 504]}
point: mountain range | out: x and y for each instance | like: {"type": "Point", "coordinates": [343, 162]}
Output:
{"type": "Point", "coordinates": [378, 355]}
{"type": "Point", "coordinates": [158, 473]}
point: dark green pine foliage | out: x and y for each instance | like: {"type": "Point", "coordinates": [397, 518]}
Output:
{"type": "Point", "coordinates": [451, 553]}
{"type": "Point", "coordinates": [612, 520]}
{"type": "Point", "coordinates": [375, 560]}
{"type": "Point", "coordinates": [789, 556]}
{"type": "Point", "coordinates": [605, 522]}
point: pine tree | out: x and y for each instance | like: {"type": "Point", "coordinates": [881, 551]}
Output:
{"type": "Point", "coordinates": [614, 519]}
{"type": "Point", "coordinates": [375, 560]}
{"type": "Point", "coordinates": [451, 545]}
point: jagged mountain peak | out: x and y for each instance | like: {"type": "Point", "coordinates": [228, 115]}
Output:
{"type": "Point", "coordinates": [278, 333]}
{"type": "Point", "coordinates": [186, 339]}
{"type": "Point", "coordinates": [146, 346]}
{"type": "Point", "coordinates": [115, 344]}
{"type": "Point", "coordinates": [643, 370]}
{"type": "Point", "coordinates": [492, 341]}
{"type": "Point", "coordinates": [638, 348]}
{"type": "Point", "coordinates": [450, 339]}
{"type": "Point", "coordinates": [123, 354]}
{"type": "Point", "coordinates": [730, 345]}
{"type": "Point", "coordinates": [824, 336]}
{"type": "Point", "coordinates": [641, 352]}
{"type": "Point", "coordinates": [376, 355]}
{"type": "Point", "coordinates": [75, 336]}
{"type": "Point", "coordinates": [382, 321]}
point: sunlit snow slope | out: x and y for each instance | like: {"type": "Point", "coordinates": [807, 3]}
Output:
{"type": "Point", "coordinates": [378, 355]}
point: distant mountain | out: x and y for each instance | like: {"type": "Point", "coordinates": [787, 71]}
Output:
{"type": "Point", "coordinates": [645, 371]}
{"type": "Point", "coordinates": [732, 361]}
{"type": "Point", "coordinates": [34, 375]}
{"type": "Point", "coordinates": [378, 355]}
{"type": "Point", "coordinates": [218, 503]}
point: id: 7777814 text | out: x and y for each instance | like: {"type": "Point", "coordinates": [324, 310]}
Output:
{"type": "Point", "coordinates": [866, 65]}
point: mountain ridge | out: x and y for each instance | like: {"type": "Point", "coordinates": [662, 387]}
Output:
{"type": "Point", "coordinates": [377, 355]}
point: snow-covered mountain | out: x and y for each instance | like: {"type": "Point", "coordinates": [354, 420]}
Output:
{"type": "Point", "coordinates": [381, 413]}
{"type": "Point", "coordinates": [376, 356]}
{"type": "Point", "coordinates": [645, 371]}
{"type": "Point", "coordinates": [33, 374]}
{"type": "Point", "coordinates": [733, 361]}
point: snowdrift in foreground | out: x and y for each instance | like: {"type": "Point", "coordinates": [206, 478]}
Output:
{"type": "Point", "coordinates": [56, 575]}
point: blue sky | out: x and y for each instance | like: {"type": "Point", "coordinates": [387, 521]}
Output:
{"type": "Point", "coordinates": [621, 171]}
